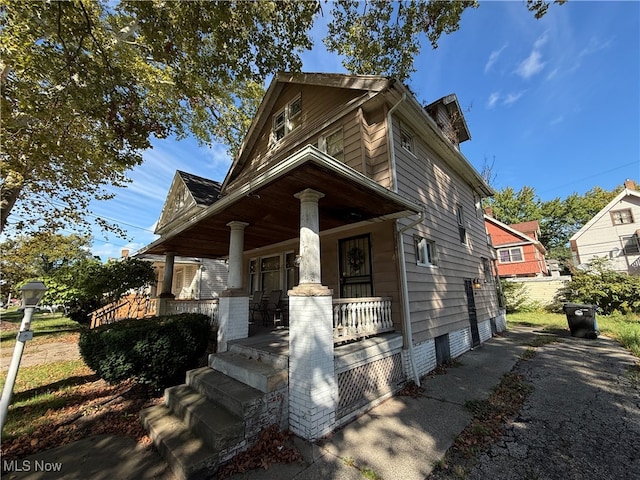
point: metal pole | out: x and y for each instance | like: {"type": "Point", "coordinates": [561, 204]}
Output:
{"type": "Point", "coordinates": [24, 335]}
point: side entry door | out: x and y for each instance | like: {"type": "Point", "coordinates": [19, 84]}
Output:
{"type": "Point", "coordinates": [473, 317]}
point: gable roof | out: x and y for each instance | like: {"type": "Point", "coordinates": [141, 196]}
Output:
{"type": "Point", "coordinates": [517, 233]}
{"type": "Point", "coordinates": [188, 194]}
{"type": "Point", "coordinates": [619, 198]}
{"type": "Point", "coordinates": [526, 227]}
{"type": "Point", "coordinates": [369, 84]}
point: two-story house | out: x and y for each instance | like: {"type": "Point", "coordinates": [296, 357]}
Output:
{"type": "Point", "coordinates": [613, 233]}
{"type": "Point", "coordinates": [353, 200]}
{"type": "Point", "coordinates": [519, 252]}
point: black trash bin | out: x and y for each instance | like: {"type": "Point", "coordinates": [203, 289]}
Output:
{"type": "Point", "coordinates": [582, 320]}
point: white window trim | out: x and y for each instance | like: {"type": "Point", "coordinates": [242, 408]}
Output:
{"type": "Point", "coordinates": [509, 250]}
{"type": "Point", "coordinates": [421, 243]}
{"type": "Point", "coordinates": [282, 271]}
{"type": "Point", "coordinates": [322, 141]}
{"type": "Point", "coordinates": [412, 144]}
{"type": "Point", "coordinates": [287, 119]}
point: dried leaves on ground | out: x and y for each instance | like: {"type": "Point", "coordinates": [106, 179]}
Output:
{"type": "Point", "coordinates": [273, 446]}
{"type": "Point", "coordinates": [92, 408]}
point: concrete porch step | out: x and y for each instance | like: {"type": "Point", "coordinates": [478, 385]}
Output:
{"type": "Point", "coordinates": [208, 420]}
{"type": "Point", "coordinates": [189, 457]}
{"type": "Point", "coordinates": [260, 354]}
{"type": "Point", "coordinates": [237, 397]}
{"type": "Point", "coordinates": [255, 373]}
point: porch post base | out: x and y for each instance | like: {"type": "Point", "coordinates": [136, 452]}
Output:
{"type": "Point", "coordinates": [313, 389]}
{"type": "Point", "coordinates": [233, 317]}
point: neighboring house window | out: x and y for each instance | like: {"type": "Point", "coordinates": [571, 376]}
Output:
{"type": "Point", "coordinates": [620, 217]}
{"type": "Point", "coordinates": [287, 119]}
{"type": "Point", "coordinates": [426, 252]}
{"type": "Point", "coordinates": [488, 274]}
{"type": "Point", "coordinates": [461, 228]}
{"type": "Point", "coordinates": [333, 144]}
{"type": "Point", "coordinates": [406, 140]}
{"type": "Point", "coordinates": [510, 255]}
{"type": "Point", "coordinates": [630, 244]}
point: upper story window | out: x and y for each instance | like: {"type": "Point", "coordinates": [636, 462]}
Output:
{"type": "Point", "coordinates": [333, 144]}
{"type": "Point", "coordinates": [426, 252]}
{"type": "Point", "coordinates": [620, 217]}
{"type": "Point", "coordinates": [488, 273]}
{"type": "Point", "coordinates": [510, 255]}
{"type": "Point", "coordinates": [287, 119]}
{"type": "Point", "coordinates": [406, 140]}
{"type": "Point", "coordinates": [462, 230]}
{"type": "Point", "coordinates": [631, 244]}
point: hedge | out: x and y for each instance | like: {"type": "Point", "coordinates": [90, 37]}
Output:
{"type": "Point", "coordinates": [156, 351]}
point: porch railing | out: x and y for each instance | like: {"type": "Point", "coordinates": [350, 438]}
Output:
{"type": "Point", "coordinates": [208, 307]}
{"type": "Point", "coordinates": [354, 318]}
{"type": "Point", "coordinates": [130, 306]}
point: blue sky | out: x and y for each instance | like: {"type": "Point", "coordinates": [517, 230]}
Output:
{"type": "Point", "coordinates": [551, 103]}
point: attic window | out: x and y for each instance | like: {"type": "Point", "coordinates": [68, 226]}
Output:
{"type": "Point", "coordinates": [621, 217]}
{"type": "Point", "coordinates": [287, 119]}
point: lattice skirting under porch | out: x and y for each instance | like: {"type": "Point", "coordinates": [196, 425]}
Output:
{"type": "Point", "coordinates": [364, 384]}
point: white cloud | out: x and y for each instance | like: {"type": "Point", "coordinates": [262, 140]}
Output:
{"type": "Point", "coordinates": [493, 58]}
{"type": "Point", "coordinates": [493, 100]}
{"type": "Point", "coordinates": [531, 65]}
{"type": "Point", "coordinates": [594, 46]}
{"type": "Point", "coordinates": [512, 98]}
{"type": "Point", "coordinates": [540, 41]}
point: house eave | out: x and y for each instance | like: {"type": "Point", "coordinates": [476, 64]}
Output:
{"type": "Point", "coordinates": [308, 165]}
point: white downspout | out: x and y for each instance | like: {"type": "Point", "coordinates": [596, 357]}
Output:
{"type": "Point", "coordinates": [408, 333]}
{"type": "Point", "coordinates": [405, 296]}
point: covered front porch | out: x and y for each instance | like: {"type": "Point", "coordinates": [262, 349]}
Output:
{"type": "Point", "coordinates": [308, 196]}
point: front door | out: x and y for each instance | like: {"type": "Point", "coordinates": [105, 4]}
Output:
{"type": "Point", "coordinates": [355, 267]}
{"type": "Point", "coordinates": [473, 317]}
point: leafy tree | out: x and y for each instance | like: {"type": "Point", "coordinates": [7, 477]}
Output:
{"type": "Point", "coordinates": [510, 206]}
{"type": "Point", "coordinates": [86, 85]}
{"type": "Point", "coordinates": [36, 256]}
{"type": "Point", "coordinates": [89, 284]}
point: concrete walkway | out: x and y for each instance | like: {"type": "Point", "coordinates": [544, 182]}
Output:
{"type": "Point", "coordinates": [404, 436]}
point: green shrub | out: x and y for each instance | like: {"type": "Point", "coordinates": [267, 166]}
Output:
{"type": "Point", "coordinates": [515, 296]}
{"type": "Point", "coordinates": [600, 285]}
{"type": "Point", "coordinates": [156, 351]}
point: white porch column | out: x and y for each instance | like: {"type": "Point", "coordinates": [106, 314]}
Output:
{"type": "Point", "coordinates": [233, 303]}
{"type": "Point", "coordinates": [167, 278]}
{"type": "Point", "coordinates": [313, 388]}
{"type": "Point", "coordinates": [167, 283]}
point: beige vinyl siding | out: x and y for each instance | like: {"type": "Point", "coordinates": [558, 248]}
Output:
{"type": "Point", "coordinates": [437, 298]}
{"type": "Point", "coordinates": [386, 281]}
{"type": "Point", "coordinates": [320, 105]}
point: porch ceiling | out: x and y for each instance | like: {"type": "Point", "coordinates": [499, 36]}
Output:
{"type": "Point", "coordinates": [273, 213]}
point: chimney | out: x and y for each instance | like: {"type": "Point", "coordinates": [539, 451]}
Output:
{"type": "Point", "coordinates": [630, 184]}
{"type": "Point", "coordinates": [124, 253]}
{"type": "Point", "coordinates": [488, 211]}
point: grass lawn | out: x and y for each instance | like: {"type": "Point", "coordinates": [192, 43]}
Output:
{"type": "Point", "coordinates": [62, 401]}
{"type": "Point", "coordinates": [623, 328]}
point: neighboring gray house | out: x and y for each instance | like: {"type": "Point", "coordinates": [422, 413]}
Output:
{"type": "Point", "coordinates": [353, 200]}
{"type": "Point", "coordinates": [613, 233]}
